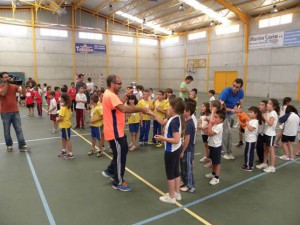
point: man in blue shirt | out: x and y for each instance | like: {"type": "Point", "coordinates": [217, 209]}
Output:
{"type": "Point", "coordinates": [230, 96]}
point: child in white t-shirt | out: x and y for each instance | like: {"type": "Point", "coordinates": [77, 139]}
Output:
{"type": "Point", "coordinates": [52, 110]}
{"type": "Point", "coordinates": [80, 106]}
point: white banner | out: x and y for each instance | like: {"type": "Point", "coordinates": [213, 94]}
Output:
{"type": "Point", "coordinates": [273, 40]}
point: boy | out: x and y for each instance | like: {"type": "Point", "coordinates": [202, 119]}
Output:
{"type": "Point", "coordinates": [211, 94]}
{"type": "Point", "coordinates": [52, 111]}
{"type": "Point", "coordinates": [215, 130]}
{"type": "Point", "coordinates": [29, 101]}
{"type": "Point", "coordinates": [80, 106]}
{"type": "Point", "coordinates": [57, 96]}
{"type": "Point", "coordinates": [187, 152]}
{"type": "Point", "coordinates": [38, 100]}
{"type": "Point", "coordinates": [72, 93]}
{"type": "Point", "coordinates": [100, 97]}
{"type": "Point", "coordinates": [145, 128]}
{"type": "Point", "coordinates": [243, 119]}
{"type": "Point", "coordinates": [96, 122]}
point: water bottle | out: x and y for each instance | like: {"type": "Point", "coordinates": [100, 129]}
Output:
{"type": "Point", "coordinates": [133, 84]}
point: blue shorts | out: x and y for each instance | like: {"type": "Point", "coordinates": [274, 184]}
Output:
{"type": "Point", "coordinates": [66, 133]}
{"type": "Point", "coordinates": [215, 154]}
{"type": "Point", "coordinates": [134, 127]}
{"type": "Point", "coordinates": [96, 132]}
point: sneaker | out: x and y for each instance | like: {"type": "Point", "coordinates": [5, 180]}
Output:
{"type": "Point", "coordinates": [110, 150]}
{"type": "Point", "coordinates": [214, 181]}
{"type": "Point", "coordinates": [276, 144]}
{"type": "Point", "coordinates": [226, 156]}
{"type": "Point", "coordinates": [151, 143]}
{"type": "Point", "coordinates": [240, 144]}
{"type": "Point", "coordinates": [204, 159]}
{"type": "Point", "coordinates": [145, 144]}
{"type": "Point", "coordinates": [82, 128]}
{"type": "Point", "coordinates": [167, 199]}
{"type": "Point", "coordinates": [9, 148]}
{"type": "Point", "coordinates": [24, 148]}
{"type": "Point", "coordinates": [99, 153]}
{"type": "Point", "coordinates": [270, 169]}
{"type": "Point", "coordinates": [262, 166]}
{"type": "Point", "coordinates": [187, 189]}
{"type": "Point", "coordinates": [130, 145]}
{"type": "Point", "coordinates": [231, 156]}
{"type": "Point", "coordinates": [141, 144]}
{"type": "Point", "coordinates": [133, 148]}
{"type": "Point", "coordinates": [209, 176]}
{"type": "Point", "coordinates": [69, 156]}
{"type": "Point", "coordinates": [158, 145]}
{"type": "Point", "coordinates": [291, 158]}
{"type": "Point", "coordinates": [248, 169]}
{"type": "Point", "coordinates": [53, 131]}
{"type": "Point", "coordinates": [284, 157]}
{"type": "Point", "coordinates": [123, 187]}
{"type": "Point", "coordinates": [91, 152]}
{"type": "Point", "coordinates": [62, 154]}
{"type": "Point", "coordinates": [177, 196]}
{"type": "Point", "coordinates": [208, 165]}
{"type": "Point", "coordinates": [108, 175]}
{"type": "Point", "coordinates": [76, 128]}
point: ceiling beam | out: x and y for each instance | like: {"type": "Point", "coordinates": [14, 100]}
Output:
{"type": "Point", "coordinates": [243, 16]}
{"type": "Point", "coordinates": [78, 4]}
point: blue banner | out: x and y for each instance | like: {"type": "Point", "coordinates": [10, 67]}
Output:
{"type": "Point", "coordinates": [291, 38]}
{"type": "Point", "coordinates": [89, 48]}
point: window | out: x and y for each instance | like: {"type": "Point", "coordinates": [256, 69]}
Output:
{"type": "Point", "coordinates": [88, 35]}
{"type": "Point", "coordinates": [53, 32]}
{"type": "Point", "coordinates": [198, 35]}
{"type": "Point", "coordinates": [227, 29]}
{"type": "Point", "coordinates": [275, 21]}
{"type": "Point", "coordinates": [123, 39]}
{"type": "Point", "coordinates": [172, 40]}
{"type": "Point", "coordinates": [146, 41]}
{"type": "Point", "coordinates": [12, 30]}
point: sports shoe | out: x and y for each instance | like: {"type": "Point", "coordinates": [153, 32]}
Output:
{"type": "Point", "coordinates": [214, 181]}
{"type": "Point", "coordinates": [204, 159]}
{"type": "Point", "coordinates": [208, 165]}
{"type": "Point", "coordinates": [240, 144]}
{"type": "Point", "coordinates": [62, 154]}
{"type": "Point", "coordinates": [177, 196]}
{"type": "Point", "coordinates": [132, 148]}
{"type": "Point", "coordinates": [270, 169]}
{"type": "Point", "coordinates": [226, 156]}
{"type": "Point", "coordinates": [91, 152]}
{"type": "Point", "coordinates": [246, 168]}
{"type": "Point", "coordinates": [209, 176]}
{"type": "Point", "coordinates": [145, 143]}
{"type": "Point", "coordinates": [167, 199]}
{"type": "Point", "coordinates": [158, 145]}
{"type": "Point", "coordinates": [69, 156]}
{"type": "Point", "coordinates": [24, 148]}
{"type": "Point", "coordinates": [284, 157]}
{"type": "Point", "coordinates": [141, 144]}
{"type": "Point", "coordinates": [9, 148]}
{"type": "Point", "coordinates": [291, 158]}
{"type": "Point", "coordinates": [108, 175]}
{"type": "Point", "coordinates": [276, 144]}
{"type": "Point", "coordinates": [130, 145]}
{"type": "Point", "coordinates": [123, 187]}
{"type": "Point", "coordinates": [262, 166]}
{"type": "Point", "coordinates": [187, 189]}
{"type": "Point", "coordinates": [231, 156]}
{"type": "Point", "coordinates": [151, 143]}
{"type": "Point", "coordinates": [53, 131]}
{"type": "Point", "coordinates": [99, 153]}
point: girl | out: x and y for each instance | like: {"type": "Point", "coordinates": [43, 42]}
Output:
{"type": "Point", "coordinates": [64, 121]}
{"type": "Point", "coordinates": [260, 136]}
{"type": "Point", "coordinates": [134, 122]}
{"type": "Point", "coordinates": [291, 124]}
{"type": "Point", "coordinates": [46, 95]}
{"type": "Point", "coordinates": [174, 130]}
{"type": "Point", "coordinates": [251, 131]}
{"type": "Point", "coordinates": [205, 115]}
{"type": "Point", "coordinates": [286, 101]}
{"type": "Point", "coordinates": [271, 119]}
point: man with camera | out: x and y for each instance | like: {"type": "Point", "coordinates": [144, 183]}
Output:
{"type": "Point", "coordinates": [10, 112]}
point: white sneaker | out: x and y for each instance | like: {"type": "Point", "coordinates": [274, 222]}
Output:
{"type": "Point", "coordinates": [130, 145]}
{"type": "Point", "coordinates": [167, 199]}
{"type": "Point", "coordinates": [177, 196]}
{"type": "Point", "coordinates": [269, 169]}
{"type": "Point", "coordinates": [53, 131]}
{"type": "Point", "coordinates": [214, 181]}
{"type": "Point", "coordinates": [283, 157]}
{"type": "Point", "coordinates": [132, 148]}
{"type": "Point", "coordinates": [204, 159]}
{"type": "Point", "coordinates": [231, 156]}
{"type": "Point", "coordinates": [226, 156]}
{"type": "Point", "coordinates": [262, 166]}
{"type": "Point", "coordinates": [209, 176]}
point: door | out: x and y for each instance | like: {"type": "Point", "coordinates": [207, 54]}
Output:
{"type": "Point", "coordinates": [224, 79]}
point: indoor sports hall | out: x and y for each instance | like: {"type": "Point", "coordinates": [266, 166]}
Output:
{"type": "Point", "coordinates": [155, 44]}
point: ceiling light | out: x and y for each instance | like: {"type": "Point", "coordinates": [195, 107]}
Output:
{"type": "Point", "coordinates": [181, 7]}
{"type": "Point", "coordinates": [212, 24]}
{"type": "Point", "coordinates": [173, 32]}
{"type": "Point", "coordinates": [110, 7]}
{"type": "Point", "coordinates": [144, 21]}
{"type": "Point", "coordinates": [274, 9]}
{"type": "Point", "coordinates": [18, 3]}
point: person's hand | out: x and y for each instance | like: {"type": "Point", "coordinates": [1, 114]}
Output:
{"type": "Point", "coordinates": [181, 155]}
{"type": "Point", "coordinates": [57, 119]}
{"type": "Point", "coordinates": [158, 137]}
{"type": "Point", "coordinates": [213, 110]}
{"type": "Point", "coordinates": [128, 91]}
{"type": "Point", "coordinates": [148, 112]}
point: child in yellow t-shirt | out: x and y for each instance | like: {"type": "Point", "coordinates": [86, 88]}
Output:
{"type": "Point", "coordinates": [134, 121]}
{"type": "Point", "coordinates": [96, 123]}
{"type": "Point", "coordinates": [145, 119]}
{"type": "Point", "coordinates": [64, 121]}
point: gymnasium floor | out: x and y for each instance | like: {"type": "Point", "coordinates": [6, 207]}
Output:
{"type": "Point", "coordinates": [38, 188]}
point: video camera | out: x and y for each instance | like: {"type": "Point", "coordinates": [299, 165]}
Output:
{"type": "Point", "coordinates": [15, 80]}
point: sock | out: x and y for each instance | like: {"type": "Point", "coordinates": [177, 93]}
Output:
{"type": "Point", "coordinates": [63, 150]}
{"type": "Point", "coordinates": [213, 173]}
{"type": "Point", "coordinates": [70, 153]}
{"type": "Point", "coordinates": [217, 177]}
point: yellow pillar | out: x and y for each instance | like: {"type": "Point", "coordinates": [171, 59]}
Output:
{"type": "Point", "coordinates": [107, 48]}
{"type": "Point", "coordinates": [136, 57]}
{"type": "Point", "coordinates": [208, 59]}
{"type": "Point", "coordinates": [34, 47]}
{"type": "Point", "coordinates": [73, 44]}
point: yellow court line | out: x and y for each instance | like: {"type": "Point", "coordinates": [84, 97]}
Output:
{"type": "Point", "coordinates": [149, 184]}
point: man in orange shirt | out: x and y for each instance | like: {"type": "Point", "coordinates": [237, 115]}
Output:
{"type": "Point", "coordinates": [10, 112]}
{"type": "Point", "coordinates": [113, 128]}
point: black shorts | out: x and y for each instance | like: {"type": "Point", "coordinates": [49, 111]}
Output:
{"type": "Point", "coordinates": [30, 105]}
{"type": "Point", "coordinates": [204, 138]}
{"type": "Point", "coordinates": [22, 98]}
{"type": "Point", "coordinates": [242, 130]}
{"type": "Point", "coordinates": [288, 138]}
{"type": "Point", "coordinates": [269, 140]}
{"type": "Point", "coordinates": [172, 164]}
{"type": "Point", "coordinates": [215, 154]}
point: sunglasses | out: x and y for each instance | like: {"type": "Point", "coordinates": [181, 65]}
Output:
{"type": "Point", "coordinates": [118, 83]}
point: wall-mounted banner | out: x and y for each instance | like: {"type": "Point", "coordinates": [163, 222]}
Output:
{"type": "Point", "coordinates": [89, 48]}
{"type": "Point", "coordinates": [275, 40]}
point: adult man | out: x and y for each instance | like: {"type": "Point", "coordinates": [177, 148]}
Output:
{"type": "Point", "coordinates": [184, 87]}
{"type": "Point", "coordinates": [80, 82]}
{"type": "Point", "coordinates": [10, 112]}
{"type": "Point", "coordinates": [230, 96]}
{"type": "Point", "coordinates": [31, 83]}
{"type": "Point", "coordinates": [114, 124]}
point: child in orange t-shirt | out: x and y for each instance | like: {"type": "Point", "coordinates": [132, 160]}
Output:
{"type": "Point", "coordinates": [243, 119]}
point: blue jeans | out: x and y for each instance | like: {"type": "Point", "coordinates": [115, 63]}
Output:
{"type": "Point", "coordinates": [14, 119]}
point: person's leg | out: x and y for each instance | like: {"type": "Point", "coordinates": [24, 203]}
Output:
{"type": "Point", "coordinates": [155, 130]}
{"type": "Point", "coordinates": [266, 153]}
{"type": "Point", "coordinates": [246, 154]}
{"type": "Point", "coordinates": [225, 136]}
{"type": "Point", "coordinates": [260, 148]}
{"type": "Point", "coordinates": [64, 144]}
{"type": "Point", "coordinates": [7, 120]}
{"type": "Point", "coordinates": [183, 169]}
{"type": "Point", "coordinates": [147, 130]}
{"type": "Point", "coordinates": [272, 155]}
{"type": "Point", "coordinates": [171, 187]}
{"type": "Point", "coordinates": [77, 118]}
{"type": "Point", "coordinates": [123, 148]}
{"type": "Point", "coordinates": [285, 148]}
{"type": "Point", "coordinates": [190, 176]}
{"type": "Point", "coordinates": [16, 122]}
{"type": "Point", "coordinates": [251, 155]}
{"type": "Point", "coordinates": [93, 143]}
{"type": "Point", "coordinates": [291, 150]}
{"type": "Point", "coordinates": [142, 132]}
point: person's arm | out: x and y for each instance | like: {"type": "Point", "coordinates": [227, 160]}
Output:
{"type": "Point", "coordinates": [249, 127]}
{"type": "Point", "coordinates": [4, 89]}
{"type": "Point", "coordinates": [284, 118]}
{"type": "Point", "coordinates": [174, 140]}
{"type": "Point", "coordinates": [269, 121]}
{"type": "Point", "coordinates": [185, 144]}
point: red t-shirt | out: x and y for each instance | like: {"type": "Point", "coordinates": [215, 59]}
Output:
{"type": "Point", "coordinates": [37, 97]}
{"type": "Point", "coordinates": [57, 95]}
{"type": "Point", "coordinates": [29, 97]}
{"type": "Point", "coordinates": [72, 93]}
{"type": "Point", "coordinates": [8, 102]}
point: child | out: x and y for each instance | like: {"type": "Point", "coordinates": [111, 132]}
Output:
{"type": "Point", "coordinates": [100, 97]}
{"type": "Point", "coordinates": [172, 137]}
{"type": "Point", "coordinates": [44, 91]}
{"type": "Point", "coordinates": [211, 94]}
{"type": "Point", "coordinates": [214, 132]}
{"type": "Point", "coordinates": [52, 111]}
{"type": "Point", "coordinates": [57, 96]}
{"type": "Point", "coordinates": [251, 131]}
{"type": "Point", "coordinates": [29, 101]}
{"type": "Point", "coordinates": [80, 106]}
{"type": "Point", "coordinates": [203, 122]}
{"type": "Point", "coordinates": [187, 152]}
{"type": "Point", "coordinates": [46, 95]}
{"type": "Point", "coordinates": [145, 119]}
{"type": "Point", "coordinates": [243, 119]}
{"type": "Point", "coordinates": [72, 93]}
{"type": "Point", "coordinates": [151, 96]}
{"type": "Point", "coordinates": [271, 119]}
{"type": "Point", "coordinates": [193, 94]}
{"type": "Point", "coordinates": [134, 122]}
{"type": "Point", "coordinates": [291, 124]}
{"type": "Point", "coordinates": [260, 137]}
{"type": "Point", "coordinates": [159, 110]}
{"type": "Point", "coordinates": [64, 120]}
{"type": "Point", "coordinates": [96, 122]}
{"type": "Point", "coordinates": [286, 101]}
{"type": "Point", "coordinates": [38, 101]}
